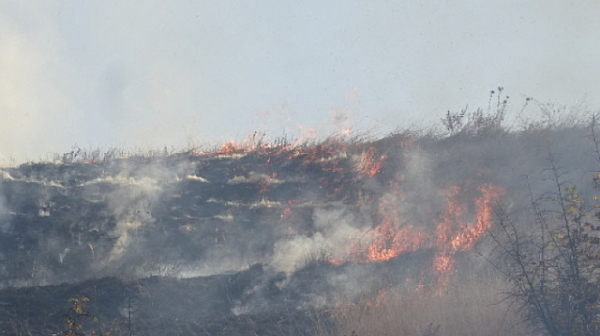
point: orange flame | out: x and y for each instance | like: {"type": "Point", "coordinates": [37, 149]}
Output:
{"type": "Point", "coordinates": [455, 231]}
{"type": "Point", "coordinates": [372, 162]}
{"type": "Point", "coordinates": [459, 226]}
{"type": "Point", "coordinates": [287, 212]}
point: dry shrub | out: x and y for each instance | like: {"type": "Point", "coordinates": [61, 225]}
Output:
{"type": "Point", "coordinates": [475, 309]}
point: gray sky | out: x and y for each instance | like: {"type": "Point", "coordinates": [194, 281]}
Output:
{"type": "Point", "coordinates": [152, 73]}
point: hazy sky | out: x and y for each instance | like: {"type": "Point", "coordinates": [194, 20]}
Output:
{"type": "Point", "coordinates": [155, 73]}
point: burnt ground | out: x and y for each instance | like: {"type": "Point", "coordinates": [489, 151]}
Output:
{"type": "Point", "coordinates": [198, 229]}
{"type": "Point", "coordinates": [248, 302]}
{"type": "Point", "coordinates": [71, 222]}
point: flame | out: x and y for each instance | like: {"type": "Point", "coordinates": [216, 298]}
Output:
{"type": "Point", "coordinates": [265, 186]}
{"type": "Point", "coordinates": [390, 243]}
{"type": "Point", "coordinates": [467, 211]}
{"type": "Point", "coordinates": [287, 212]}
{"type": "Point", "coordinates": [391, 237]}
{"type": "Point", "coordinates": [230, 148]}
{"type": "Point", "coordinates": [372, 162]}
{"type": "Point", "coordinates": [456, 230]}
{"type": "Point", "coordinates": [455, 233]}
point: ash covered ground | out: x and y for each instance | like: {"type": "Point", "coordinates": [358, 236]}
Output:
{"type": "Point", "coordinates": [261, 238]}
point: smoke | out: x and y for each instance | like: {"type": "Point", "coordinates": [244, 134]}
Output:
{"type": "Point", "coordinates": [355, 283]}
{"type": "Point", "coordinates": [135, 191]}
{"type": "Point", "coordinates": [5, 224]}
{"type": "Point", "coordinates": [336, 230]}
{"type": "Point", "coordinates": [130, 205]}
{"type": "Point", "coordinates": [340, 228]}
{"type": "Point", "coordinates": [323, 226]}
{"type": "Point", "coordinates": [33, 106]}
{"type": "Point", "coordinates": [289, 255]}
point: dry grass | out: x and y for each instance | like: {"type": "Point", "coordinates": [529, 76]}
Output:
{"type": "Point", "coordinates": [466, 310]}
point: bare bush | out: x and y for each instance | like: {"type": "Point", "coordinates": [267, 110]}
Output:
{"type": "Point", "coordinates": [478, 122]}
{"type": "Point", "coordinates": [554, 265]}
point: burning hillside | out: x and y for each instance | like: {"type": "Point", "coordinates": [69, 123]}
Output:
{"type": "Point", "coordinates": [255, 229]}
{"type": "Point", "coordinates": [281, 206]}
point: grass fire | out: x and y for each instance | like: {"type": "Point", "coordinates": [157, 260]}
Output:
{"type": "Point", "coordinates": [471, 228]}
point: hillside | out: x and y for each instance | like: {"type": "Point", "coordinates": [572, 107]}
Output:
{"type": "Point", "coordinates": [260, 236]}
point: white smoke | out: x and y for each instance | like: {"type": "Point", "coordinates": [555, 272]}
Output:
{"type": "Point", "coordinates": [5, 224]}
{"type": "Point", "coordinates": [336, 230]}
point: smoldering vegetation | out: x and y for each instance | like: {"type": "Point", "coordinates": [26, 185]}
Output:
{"type": "Point", "coordinates": [271, 237]}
